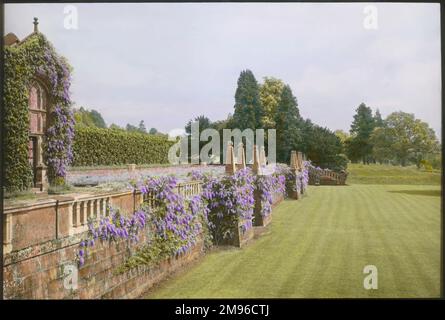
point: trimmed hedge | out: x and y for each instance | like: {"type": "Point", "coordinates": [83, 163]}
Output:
{"type": "Point", "coordinates": [96, 146]}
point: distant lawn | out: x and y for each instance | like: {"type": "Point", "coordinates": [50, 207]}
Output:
{"type": "Point", "coordinates": [317, 247]}
{"type": "Point", "coordinates": [387, 174]}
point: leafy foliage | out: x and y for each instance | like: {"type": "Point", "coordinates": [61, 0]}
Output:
{"type": "Point", "coordinates": [270, 96]}
{"type": "Point", "coordinates": [95, 146]}
{"type": "Point", "coordinates": [248, 110]}
{"type": "Point", "coordinates": [35, 58]}
{"type": "Point", "coordinates": [176, 222]}
{"type": "Point", "coordinates": [89, 118]}
{"type": "Point", "coordinates": [323, 147]}
{"type": "Point", "coordinates": [230, 203]}
{"type": "Point", "coordinates": [364, 123]}
{"type": "Point", "coordinates": [113, 227]}
{"type": "Point", "coordinates": [287, 119]}
{"type": "Point", "coordinates": [404, 138]}
{"type": "Point", "coordinates": [268, 185]}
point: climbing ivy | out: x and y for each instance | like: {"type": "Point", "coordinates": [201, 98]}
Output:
{"type": "Point", "coordinates": [35, 58]}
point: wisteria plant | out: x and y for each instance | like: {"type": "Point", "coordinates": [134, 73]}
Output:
{"type": "Point", "coordinates": [35, 59]}
{"type": "Point", "coordinates": [112, 227]}
{"type": "Point", "coordinates": [267, 186]}
{"type": "Point", "coordinates": [176, 222]}
{"type": "Point", "coordinates": [230, 202]}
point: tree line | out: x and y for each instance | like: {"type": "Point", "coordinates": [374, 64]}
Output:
{"type": "Point", "coordinates": [272, 105]}
{"type": "Point", "coordinates": [399, 139]}
{"type": "Point", "coordinates": [93, 118]}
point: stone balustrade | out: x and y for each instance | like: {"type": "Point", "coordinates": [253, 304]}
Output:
{"type": "Point", "coordinates": [326, 176]}
{"type": "Point", "coordinates": [190, 188]}
{"type": "Point", "coordinates": [186, 189]}
{"type": "Point", "coordinates": [87, 209]}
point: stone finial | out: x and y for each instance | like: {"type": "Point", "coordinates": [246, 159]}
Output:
{"type": "Point", "coordinates": [256, 168]}
{"type": "Point", "coordinates": [300, 159]}
{"type": "Point", "coordinates": [36, 24]}
{"type": "Point", "coordinates": [293, 160]}
{"type": "Point", "coordinates": [230, 159]}
{"type": "Point", "coordinates": [263, 160]}
{"type": "Point", "coordinates": [241, 157]}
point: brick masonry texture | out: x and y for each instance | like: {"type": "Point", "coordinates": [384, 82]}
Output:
{"type": "Point", "coordinates": [43, 276]}
{"type": "Point", "coordinates": [36, 268]}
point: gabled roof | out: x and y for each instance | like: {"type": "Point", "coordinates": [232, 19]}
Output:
{"type": "Point", "coordinates": [10, 39]}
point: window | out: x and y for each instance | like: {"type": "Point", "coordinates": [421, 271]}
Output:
{"type": "Point", "coordinates": [37, 108]}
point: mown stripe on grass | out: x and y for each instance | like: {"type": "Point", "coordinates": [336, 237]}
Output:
{"type": "Point", "coordinates": [318, 247]}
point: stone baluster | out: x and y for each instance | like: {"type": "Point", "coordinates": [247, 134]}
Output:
{"type": "Point", "coordinates": [76, 214]}
{"type": "Point", "coordinates": [90, 209]}
{"type": "Point", "coordinates": [7, 234]}
{"type": "Point", "coordinates": [107, 203]}
{"type": "Point", "coordinates": [102, 208]}
{"type": "Point", "coordinates": [97, 209]}
{"type": "Point", "coordinates": [83, 212]}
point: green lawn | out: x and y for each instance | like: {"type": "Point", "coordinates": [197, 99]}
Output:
{"type": "Point", "coordinates": [387, 174]}
{"type": "Point", "coordinates": [318, 247]}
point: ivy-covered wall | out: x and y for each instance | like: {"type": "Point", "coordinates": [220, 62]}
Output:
{"type": "Point", "coordinates": [35, 58]}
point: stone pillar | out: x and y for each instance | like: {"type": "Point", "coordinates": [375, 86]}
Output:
{"type": "Point", "coordinates": [230, 159]}
{"type": "Point", "coordinates": [293, 160]}
{"type": "Point", "coordinates": [263, 159]}
{"type": "Point", "coordinates": [300, 160]}
{"type": "Point", "coordinates": [256, 168]}
{"type": "Point", "coordinates": [241, 157]}
{"type": "Point", "coordinates": [259, 219]}
{"type": "Point", "coordinates": [41, 178]}
{"type": "Point", "coordinates": [293, 194]}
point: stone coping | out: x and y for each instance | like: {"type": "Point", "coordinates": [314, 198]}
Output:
{"type": "Point", "coordinates": [52, 200]}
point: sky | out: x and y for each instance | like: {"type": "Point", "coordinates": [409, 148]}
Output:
{"type": "Point", "coordinates": [166, 63]}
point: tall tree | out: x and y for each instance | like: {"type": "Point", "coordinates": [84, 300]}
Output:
{"type": "Point", "coordinates": [361, 129]}
{"type": "Point", "coordinates": [270, 96]}
{"type": "Point", "coordinates": [343, 136]}
{"type": "Point", "coordinates": [131, 128]}
{"type": "Point", "coordinates": [382, 145]}
{"type": "Point", "coordinates": [97, 119]}
{"type": "Point", "coordinates": [141, 127]}
{"type": "Point", "coordinates": [93, 118]}
{"type": "Point", "coordinates": [204, 123]}
{"type": "Point", "coordinates": [378, 121]}
{"type": "Point", "coordinates": [323, 147]}
{"type": "Point", "coordinates": [153, 131]}
{"type": "Point", "coordinates": [410, 139]}
{"type": "Point", "coordinates": [287, 118]}
{"type": "Point", "coordinates": [248, 109]}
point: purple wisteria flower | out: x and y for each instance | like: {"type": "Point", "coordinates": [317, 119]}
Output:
{"type": "Point", "coordinates": [113, 227]}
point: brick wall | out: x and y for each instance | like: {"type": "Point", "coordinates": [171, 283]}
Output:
{"type": "Point", "coordinates": [42, 252]}
{"type": "Point", "coordinates": [48, 276]}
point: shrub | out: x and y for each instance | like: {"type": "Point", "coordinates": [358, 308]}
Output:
{"type": "Point", "coordinates": [176, 223]}
{"type": "Point", "coordinates": [230, 203]}
{"type": "Point", "coordinates": [266, 186]}
{"type": "Point", "coordinates": [96, 146]}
